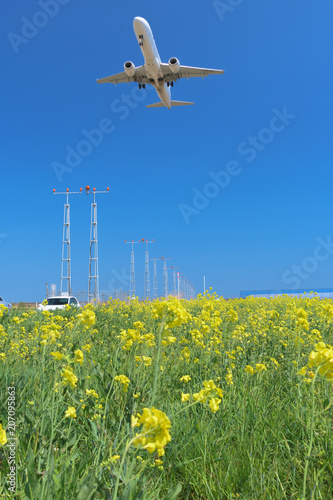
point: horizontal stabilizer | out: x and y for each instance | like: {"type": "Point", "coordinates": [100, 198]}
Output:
{"type": "Point", "coordinates": [173, 103]}
{"type": "Point", "coordinates": [180, 103]}
{"type": "Point", "coordinates": [156, 105]}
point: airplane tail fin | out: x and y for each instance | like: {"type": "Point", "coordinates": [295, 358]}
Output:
{"type": "Point", "coordinates": [173, 103]}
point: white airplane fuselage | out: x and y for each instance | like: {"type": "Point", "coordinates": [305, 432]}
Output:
{"type": "Point", "coordinates": [152, 59]}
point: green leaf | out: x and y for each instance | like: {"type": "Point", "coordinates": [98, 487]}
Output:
{"type": "Point", "coordinates": [130, 492]}
{"type": "Point", "coordinates": [32, 486]}
{"type": "Point", "coordinates": [88, 488]}
{"type": "Point", "coordinates": [173, 493]}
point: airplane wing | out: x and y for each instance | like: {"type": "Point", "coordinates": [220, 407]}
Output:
{"type": "Point", "coordinates": [187, 72]}
{"type": "Point", "coordinates": [139, 77]}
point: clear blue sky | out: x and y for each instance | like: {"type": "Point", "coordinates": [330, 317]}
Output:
{"type": "Point", "coordinates": [264, 129]}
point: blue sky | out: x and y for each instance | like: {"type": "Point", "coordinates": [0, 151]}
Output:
{"type": "Point", "coordinates": [236, 187]}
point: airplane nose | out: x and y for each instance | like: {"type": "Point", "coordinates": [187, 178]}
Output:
{"type": "Point", "coordinates": [139, 21]}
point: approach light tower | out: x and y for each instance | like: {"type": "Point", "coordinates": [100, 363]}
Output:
{"type": "Point", "coordinates": [93, 281]}
{"type": "Point", "coordinates": [147, 278]}
{"type": "Point", "coordinates": [174, 280]}
{"type": "Point", "coordinates": [155, 277]}
{"type": "Point", "coordinates": [132, 272]}
{"type": "Point", "coordinates": [165, 276]}
{"type": "Point", "coordinates": [65, 283]}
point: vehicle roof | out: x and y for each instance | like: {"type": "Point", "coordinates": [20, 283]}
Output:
{"type": "Point", "coordinates": [63, 297]}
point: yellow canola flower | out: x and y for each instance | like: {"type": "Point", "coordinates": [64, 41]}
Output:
{"type": "Point", "coordinates": [229, 377]}
{"type": "Point", "coordinates": [124, 381]}
{"type": "Point", "coordinates": [78, 356]}
{"type": "Point", "coordinates": [260, 367]}
{"type": "Point", "coordinates": [69, 377]}
{"type": "Point", "coordinates": [87, 317]}
{"type": "Point", "coordinates": [185, 378]}
{"type": "Point", "coordinates": [185, 397]}
{"type": "Point", "coordinates": [3, 436]}
{"type": "Point", "coordinates": [70, 412]}
{"type": "Point", "coordinates": [232, 316]}
{"type": "Point", "coordinates": [175, 313]}
{"type": "Point", "coordinates": [214, 404]}
{"type": "Point", "coordinates": [91, 392]}
{"type": "Point", "coordinates": [322, 357]}
{"type": "Point", "coordinates": [154, 434]}
{"type": "Point", "coordinates": [210, 392]}
{"type": "Point", "coordinates": [57, 355]}
{"type": "Point", "coordinates": [249, 369]}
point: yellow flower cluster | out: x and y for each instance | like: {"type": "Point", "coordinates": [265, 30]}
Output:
{"type": "Point", "coordinates": [78, 356]}
{"type": "Point", "coordinates": [175, 313]}
{"type": "Point", "coordinates": [3, 309]}
{"type": "Point", "coordinates": [128, 337]}
{"type": "Point", "coordinates": [69, 378]}
{"type": "Point", "coordinates": [154, 434]}
{"type": "Point", "coordinates": [87, 317]}
{"type": "Point", "coordinates": [3, 436]}
{"type": "Point", "coordinates": [146, 360]}
{"type": "Point", "coordinates": [91, 392]}
{"type": "Point", "coordinates": [229, 377]}
{"type": "Point", "coordinates": [322, 357]}
{"type": "Point", "coordinates": [211, 393]}
{"type": "Point", "coordinates": [124, 381]}
{"type": "Point", "coordinates": [57, 355]}
{"type": "Point", "coordinates": [258, 369]}
{"type": "Point", "coordinates": [70, 412]}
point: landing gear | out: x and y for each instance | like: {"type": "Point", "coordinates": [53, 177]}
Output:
{"type": "Point", "coordinates": [142, 85]}
{"type": "Point", "coordinates": [141, 40]}
{"type": "Point", "coordinates": [169, 84]}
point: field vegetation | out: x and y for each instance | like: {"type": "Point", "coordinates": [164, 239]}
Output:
{"type": "Point", "coordinates": [200, 399]}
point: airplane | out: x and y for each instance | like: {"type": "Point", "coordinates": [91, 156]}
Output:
{"type": "Point", "coordinates": [160, 75]}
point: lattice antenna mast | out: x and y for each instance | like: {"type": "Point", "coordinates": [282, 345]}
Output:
{"type": "Point", "coordinates": [165, 276]}
{"type": "Point", "coordinates": [132, 270]}
{"type": "Point", "coordinates": [93, 281]}
{"type": "Point", "coordinates": [191, 291]}
{"type": "Point", "coordinates": [181, 286]}
{"type": "Point", "coordinates": [65, 282]}
{"type": "Point", "coordinates": [155, 278]}
{"type": "Point", "coordinates": [147, 277]}
{"type": "Point", "coordinates": [187, 288]}
{"type": "Point", "coordinates": [174, 280]}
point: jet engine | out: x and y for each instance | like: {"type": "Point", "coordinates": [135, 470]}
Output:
{"type": "Point", "coordinates": [129, 69]}
{"type": "Point", "coordinates": [174, 65]}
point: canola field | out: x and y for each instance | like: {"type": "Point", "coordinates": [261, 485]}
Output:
{"type": "Point", "coordinates": [200, 399]}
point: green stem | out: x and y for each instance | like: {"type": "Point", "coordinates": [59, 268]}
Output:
{"type": "Point", "coordinates": [307, 458]}
{"type": "Point", "coordinates": [157, 364]}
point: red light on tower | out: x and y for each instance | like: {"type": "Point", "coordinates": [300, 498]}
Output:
{"type": "Point", "coordinates": [54, 190]}
{"type": "Point", "coordinates": [87, 189]}
{"type": "Point", "coordinates": [94, 189]}
{"type": "Point", "coordinates": [67, 190]}
{"type": "Point", "coordinates": [108, 189]}
{"type": "Point", "coordinates": [80, 190]}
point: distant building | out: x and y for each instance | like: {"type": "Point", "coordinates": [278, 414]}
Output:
{"type": "Point", "coordinates": [269, 294]}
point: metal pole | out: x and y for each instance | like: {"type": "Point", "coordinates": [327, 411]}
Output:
{"type": "Point", "coordinates": [155, 280]}
{"type": "Point", "coordinates": [93, 281]}
{"type": "Point", "coordinates": [66, 244]}
{"type": "Point", "coordinates": [165, 276]}
{"type": "Point", "coordinates": [147, 277]}
{"type": "Point", "coordinates": [132, 270]}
